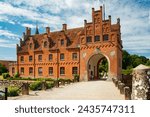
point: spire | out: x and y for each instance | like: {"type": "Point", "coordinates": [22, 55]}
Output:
{"type": "Point", "coordinates": [36, 30]}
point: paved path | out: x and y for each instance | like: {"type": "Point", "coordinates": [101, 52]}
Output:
{"type": "Point", "coordinates": [93, 90]}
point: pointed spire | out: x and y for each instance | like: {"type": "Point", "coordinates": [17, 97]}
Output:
{"type": "Point", "coordinates": [36, 30]}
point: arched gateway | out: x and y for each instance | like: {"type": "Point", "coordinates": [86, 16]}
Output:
{"type": "Point", "coordinates": [101, 40]}
{"type": "Point", "coordinates": [64, 53]}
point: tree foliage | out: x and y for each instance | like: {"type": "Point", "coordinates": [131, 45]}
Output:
{"type": "Point", "coordinates": [131, 61]}
{"type": "Point", "coordinates": [3, 69]}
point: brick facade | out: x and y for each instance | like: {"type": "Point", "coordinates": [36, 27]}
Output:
{"type": "Point", "coordinates": [61, 54]}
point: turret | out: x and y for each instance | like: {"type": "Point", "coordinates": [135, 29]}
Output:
{"type": "Point", "coordinates": [47, 30]}
{"type": "Point", "coordinates": [28, 31]}
{"type": "Point", "coordinates": [64, 28]}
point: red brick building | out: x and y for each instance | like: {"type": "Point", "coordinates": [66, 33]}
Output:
{"type": "Point", "coordinates": [6, 63]}
{"type": "Point", "coordinates": [63, 53]}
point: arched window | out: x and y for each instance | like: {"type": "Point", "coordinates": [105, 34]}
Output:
{"type": "Point", "coordinates": [30, 45]}
{"type": "Point", "coordinates": [45, 44]}
{"type": "Point", "coordinates": [13, 70]}
{"type": "Point", "coordinates": [62, 42]}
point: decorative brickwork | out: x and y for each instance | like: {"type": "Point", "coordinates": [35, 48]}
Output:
{"type": "Point", "coordinates": [97, 39]}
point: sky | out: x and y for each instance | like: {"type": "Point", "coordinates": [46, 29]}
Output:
{"type": "Point", "coordinates": [15, 15]}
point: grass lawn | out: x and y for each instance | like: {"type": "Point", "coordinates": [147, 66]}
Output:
{"type": "Point", "coordinates": [1, 77]}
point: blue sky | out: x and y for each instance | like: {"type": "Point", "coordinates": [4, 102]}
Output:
{"type": "Point", "coordinates": [15, 15]}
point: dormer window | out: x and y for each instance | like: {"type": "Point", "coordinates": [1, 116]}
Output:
{"type": "Point", "coordinates": [22, 58]}
{"type": "Point", "coordinates": [62, 42]}
{"type": "Point", "coordinates": [30, 45]}
{"type": "Point", "coordinates": [45, 44]}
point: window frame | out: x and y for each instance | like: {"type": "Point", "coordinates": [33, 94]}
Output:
{"type": "Point", "coordinates": [30, 69]}
{"type": "Point", "coordinates": [96, 38]}
{"type": "Point", "coordinates": [62, 42]}
{"type": "Point", "coordinates": [45, 44]}
{"type": "Point", "coordinates": [13, 70]}
{"type": "Point", "coordinates": [40, 73]}
{"type": "Point", "coordinates": [74, 71]}
{"type": "Point", "coordinates": [30, 60]}
{"type": "Point", "coordinates": [22, 70]}
{"type": "Point", "coordinates": [50, 57]}
{"type": "Point", "coordinates": [104, 37]}
{"type": "Point", "coordinates": [62, 71]}
{"type": "Point", "coordinates": [22, 59]}
{"type": "Point", "coordinates": [74, 56]}
{"type": "Point", "coordinates": [88, 38]}
{"type": "Point", "coordinates": [62, 54]}
{"type": "Point", "coordinates": [40, 57]}
{"type": "Point", "coordinates": [50, 70]}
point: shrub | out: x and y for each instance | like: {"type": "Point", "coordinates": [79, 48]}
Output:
{"type": "Point", "coordinates": [127, 71]}
{"type": "Point", "coordinates": [76, 78]}
{"type": "Point", "coordinates": [13, 91]}
{"type": "Point", "coordinates": [16, 75]}
{"type": "Point", "coordinates": [49, 85]}
{"type": "Point", "coordinates": [5, 75]}
{"type": "Point", "coordinates": [36, 86]}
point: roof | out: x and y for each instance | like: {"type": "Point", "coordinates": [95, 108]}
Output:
{"type": "Point", "coordinates": [72, 35]}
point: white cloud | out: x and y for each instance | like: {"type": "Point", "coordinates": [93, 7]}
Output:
{"type": "Point", "coordinates": [134, 19]}
{"type": "Point", "coordinates": [28, 25]}
{"type": "Point", "coordinates": [8, 34]}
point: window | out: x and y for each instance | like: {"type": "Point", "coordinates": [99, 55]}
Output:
{"type": "Point", "coordinates": [62, 70]}
{"type": "Point", "coordinates": [88, 39]}
{"type": "Point", "coordinates": [45, 44]}
{"type": "Point", "coordinates": [105, 37]}
{"type": "Point", "coordinates": [30, 45]}
{"type": "Point", "coordinates": [89, 66]}
{"type": "Point", "coordinates": [74, 70]}
{"type": "Point", "coordinates": [74, 56]}
{"type": "Point", "coordinates": [40, 71]}
{"type": "Point", "coordinates": [22, 59]}
{"type": "Point", "coordinates": [97, 38]}
{"type": "Point", "coordinates": [30, 70]}
{"type": "Point", "coordinates": [62, 57]}
{"type": "Point", "coordinates": [13, 70]}
{"type": "Point", "coordinates": [40, 58]}
{"type": "Point", "coordinates": [50, 70]}
{"type": "Point", "coordinates": [62, 42]}
{"type": "Point", "coordinates": [50, 57]}
{"type": "Point", "coordinates": [30, 58]}
{"type": "Point", "coordinates": [22, 70]}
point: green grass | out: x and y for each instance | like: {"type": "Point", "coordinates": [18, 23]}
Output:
{"type": "Point", "coordinates": [1, 77]}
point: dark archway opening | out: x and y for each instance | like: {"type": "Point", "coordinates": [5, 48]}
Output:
{"type": "Point", "coordinates": [98, 68]}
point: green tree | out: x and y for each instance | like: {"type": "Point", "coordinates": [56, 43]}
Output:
{"type": "Point", "coordinates": [3, 69]}
{"type": "Point", "coordinates": [103, 67]}
{"type": "Point", "coordinates": [126, 60]}
{"type": "Point", "coordinates": [148, 63]}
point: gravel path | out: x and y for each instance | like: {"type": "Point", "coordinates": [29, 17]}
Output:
{"type": "Point", "coordinates": [93, 90]}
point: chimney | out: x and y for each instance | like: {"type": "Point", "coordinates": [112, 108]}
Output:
{"type": "Point", "coordinates": [23, 36]}
{"type": "Point", "coordinates": [118, 20]}
{"type": "Point", "coordinates": [64, 27]}
{"type": "Point", "coordinates": [20, 42]}
{"type": "Point", "coordinates": [92, 9]}
{"type": "Point", "coordinates": [109, 17]}
{"type": "Point", "coordinates": [85, 21]}
{"type": "Point", "coordinates": [101, 8]}
{"type": "Point", "coordinates": [47, 30]}
{"type": "Point", "coordinates": [28, 31]}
